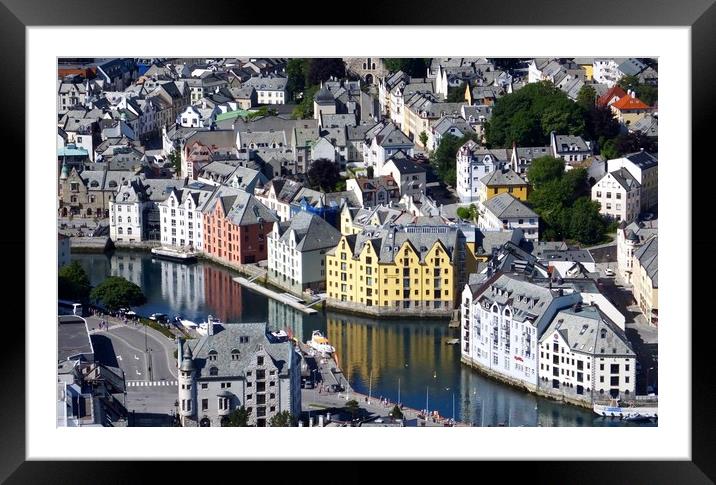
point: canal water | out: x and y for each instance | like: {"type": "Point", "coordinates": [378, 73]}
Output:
{"type": "Point", "coordinates": [385, 358]}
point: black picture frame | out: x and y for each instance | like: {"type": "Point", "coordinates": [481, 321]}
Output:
{"type": "Point", "coordinates": [700, 15]}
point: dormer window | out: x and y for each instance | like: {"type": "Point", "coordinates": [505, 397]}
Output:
{"type": "Point", "coordinates": [212, 355]}
{"type": "Point", "coordinates": [214, 371]}
{"type": "Point", "coordinates": [235, 354]}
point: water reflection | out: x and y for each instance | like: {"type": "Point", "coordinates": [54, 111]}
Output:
{"type": "Point", "coordinates": [384, 358]}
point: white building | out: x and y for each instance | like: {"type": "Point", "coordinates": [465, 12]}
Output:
{"type": "Point", "coordinates": [583, 355]}
{"type": "Point", "coordinates": [234, 366]}
{"type": "Point", "coordinates": [410, 177]}
{"type": "Point", "coordinates": [382, 142]}
{"type": "Point", "coordinates": [126, 210]}
{"type": "Point", "coordinates": [644, 167]}
{"type": "Point", "coordinates": [296, 252]}
{"type": "Point", "coordinates": [277, 195]}
{"type": "Point", "coordinates": [570, 148]}
{"type": "Point", "coordinates": [270, 89]}
{"type": "Point", "coordinates": [503, 317]}
{"type": "Point", "coordinates": [619, 195]}
{"type": "Point", "coordinates": [473, 163]}
{"type": "Point", "coordinates": [181, 217]}
{"type": "Point", "coordinates": [504, 211]}
{"type": "Point", "coordinates": [606, 71]}
{"type": "Point", "coordinates": [629, 239]}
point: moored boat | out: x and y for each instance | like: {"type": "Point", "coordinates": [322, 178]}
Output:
{"type": "Point", "coordinates": [634, 413]}
{"type": "Point", "coordinates": [320, 343]}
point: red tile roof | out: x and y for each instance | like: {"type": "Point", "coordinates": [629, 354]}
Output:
{"type": "Point", "coordinates": [629, 103]}
{"type": "Point", "coordinates": [604, 99]}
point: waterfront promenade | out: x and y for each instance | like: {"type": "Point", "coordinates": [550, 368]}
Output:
{"type": "Point", "coordinates": [285, 299]}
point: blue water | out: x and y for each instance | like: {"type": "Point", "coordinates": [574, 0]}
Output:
{"type": "Point", "coordinates": [382, 357]}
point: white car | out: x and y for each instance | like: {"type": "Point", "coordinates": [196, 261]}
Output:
{"type": "Point", "coordinates": [609, 272]}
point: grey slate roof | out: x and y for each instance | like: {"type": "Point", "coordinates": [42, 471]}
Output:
{"type": "Point", "coordinates": [228, 338]}
{"type": "Point", "coordinates": [502, 177]}
{"type": "Point", "coordinates": [506, 206]}
{"type": "Point", "coordinates": [625, 179]}
{"type": "Point", "coordinates": [312, 232]}
{"type": "Point", "coordinates": [648, 257]}
{"type": "Point", "coordinates": [642, 159]}
{"type": "Point", "coordinates": [589, 331]}
{"type": "Point", "coordinates": [565, 144]}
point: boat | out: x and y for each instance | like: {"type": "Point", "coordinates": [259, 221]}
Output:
{"type": "Point", "coordinates": [281, 335]}
{"type": "Point", "coordinates": [175, 254]}
{"type": "Point", "coordinates": [203, 328]}
{"type": "Point", "coordinates": [188, 324]}
{"type": "Point", "coordinates": [616, 410]}
{"type": "Point", "coordinates": [320, 343]}
{"type": "Point", "coordinates": [452, 341]}
{"type": "Point", "coordinates": [158, 317]}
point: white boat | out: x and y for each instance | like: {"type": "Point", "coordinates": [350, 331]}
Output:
{"type": "Point", "coordinates": [633, 413]}
{"type": "Point", "coordinates": [203, 328]}
{"type": "Point", "coordinates": [281, 335]}
{"type": "Point", "coordinates": [320, 343]}
{"type": "Point", "coordinates": [186, 323]}
{"type": "Point", "coordinates": [452, 341]}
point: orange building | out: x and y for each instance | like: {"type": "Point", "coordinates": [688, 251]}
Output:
{"type": "Point", "coordinates": [235, 226]}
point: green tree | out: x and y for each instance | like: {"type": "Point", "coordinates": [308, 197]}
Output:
{"type": "Point", "coordinates": [527, 116]}
{"type": "Point", "coordinates": [323, 175]}
{"type": "Point", "coordinates": [443, 158]}
{"type": "Point", "coordinates": [370, 171]}
{"type": "Point", "coordinates": [72, 282]}
{"type": "Point", "coordinates": [116, 292]}
{"type": "Point", "coordinates": [600, 123]}
{"type": "Point", "coordinates": [175, 159]}
{"type": "Point", "coordinates": [586, 225]}
{"type": "Point", "coordinates": [467, 213]}
{"type": "Point", "coordinates": [423, 137]}
{"type": "Point", "coordinates": [544, 169]}
{"type": "Point", "coordinates": [586, 97]}
{"type": "Point", "coordinates": [304, 109]}
{"type": "Point", "coordinates": [456, 94]}
{"type": "Point", "coordinates": [296, 71]}
{"type": "Point", "coordinates": [396, 413]}
{"type": "Point", "coordinates": [239, 417]}
{"type": "Point", "coordinates": [413, 67]}
{"type": "Point", "coordinates": [645, 92]}
{"type": "Point", "coordinates": [284, 419]}
{"type": "Point", "coordinates": [352, 407]}
{"type": "Point", "coordinates": [323, 68]}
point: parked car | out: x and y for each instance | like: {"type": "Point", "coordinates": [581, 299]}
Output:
{"type": "Point", "coordinates": [609, 272]}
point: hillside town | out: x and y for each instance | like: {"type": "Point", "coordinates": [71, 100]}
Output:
{"type": "Point", "coordinates": [515, 200]}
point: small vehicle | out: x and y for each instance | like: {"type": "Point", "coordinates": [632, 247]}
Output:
{"type": "Point", "coordinates": [159, 317]}
{"type": "Point", "coordinates": [609, 272]}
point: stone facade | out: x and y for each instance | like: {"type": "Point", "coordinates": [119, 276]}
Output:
{"type": "Point", "coordinates": [369, 69]}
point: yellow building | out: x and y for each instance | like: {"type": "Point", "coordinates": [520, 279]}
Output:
{"type": "Point", "coordinates": [397, 270]}
{"type": "Point", "coordinates": [645, 279]}
{"type": "Point", "coordinates": [500, 182]}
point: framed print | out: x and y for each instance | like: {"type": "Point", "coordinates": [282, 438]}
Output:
{"type": "Point", "coordinates": [384, 231]}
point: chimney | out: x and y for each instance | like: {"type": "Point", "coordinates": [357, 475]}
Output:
{"type": "Point", "coordinates": [210, 325]}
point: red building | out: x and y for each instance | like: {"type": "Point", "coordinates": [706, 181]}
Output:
{"type": "Point", "coordinates": [236, 225]}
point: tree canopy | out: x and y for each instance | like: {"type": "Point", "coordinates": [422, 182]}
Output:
{"type": "Point", "coordinates": [456, 94]}
{"type": "Point", "coordinates": [72, 282]}
{"type": "Point", "coordinates": [304, 109]}
{"type": "Point", "coordinates": [467, 213]}
{"type": "Point", "coordinates": [239, 418]}
{"type": "Point", "coordinates": [626, 143]}
{"type": "Point", "coordinates": [527, 117]}
{"type": "Point", "coordinates": [563, 203]}
{"type": "Point", "coordinates": [284, 419]}
{"type": "Point", "coordinates": [323, 175]}
{"type": "Point", "coordinates": [296, 70]}
{"type": "Point", "coordinates": [413, 67]}
{"type": "Point", "coordinates": [116, 292]}
{"type": "Point", "coordinates": [323, 68]}
{"type": "Point", "coordinates": [443, 158]}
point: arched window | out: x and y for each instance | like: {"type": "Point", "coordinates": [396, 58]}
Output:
{"type": "Point", "coordinates": [212, 355]}
{"type": "Point", "coordinates": [129, 230]}
{"type": "Point", "coordinates": [119, 230]}
{"type": "Point", "coordinates": [235, 354]}
{"type": "Point", "coordinates": [214, 371]}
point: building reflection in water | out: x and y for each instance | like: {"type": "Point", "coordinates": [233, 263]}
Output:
{"type": "Point", "coordinates": [182, 285]}
{"type": "Point", "coordinates": [222, 293]}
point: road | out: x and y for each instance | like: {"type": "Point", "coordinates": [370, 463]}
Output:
{"type": "Point", "coordinates": [150, 372]}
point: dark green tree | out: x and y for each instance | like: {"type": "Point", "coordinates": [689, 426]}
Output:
{"type": "Point", "coordinates": [544, 169]}
{"type": "Point", "coordinates": [284, 419]}
{"type": "Point", "coordinates": [323, 175]}
{"type": "Point", "coordinates": [396, 413]}
{"type": "Point", "coordinates": [352, 407]}
{"type": "Point", "coordinates": [73, 283]}
{"type": "Point", "coordinates": [413, 67]}
{"type": "Point", "coordinates": [443, 158]}
{"type": "Point", "coordinates": [600, 124]}
{"type": "Point", "coordinates": [586, 97]}
{"type": "Point", "coordinates": [527, 116]}
{"type": "Point", "coordinates": [323, 68]}
{"type": "Point", "coordinates": [175, 160]}
{"type": "Point", "coordinates": [423, 137]}
{"type": "Point", "coordinates": [239, 417]}
{"type": "Point", "coordinates": [304, 109]}
{"type": "Point", "coordinates": [456, 94]}
{"type": "Point", "coordinates": [296, 71]}
{"type": "Point", "coordinates": [586, 225]}
{"type": "Point", "coordinates": [116, 292]}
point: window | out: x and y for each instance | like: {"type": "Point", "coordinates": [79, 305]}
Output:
{"type": "Point", "coordinates": [213, 371]}
{"type": "Point", "coordinates": [204, 404]}
{"type": "Point", "coordinates": [205, 386]}
{"type": "Point", "coordinates": [259, 361]}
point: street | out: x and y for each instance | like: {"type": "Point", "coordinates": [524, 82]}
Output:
{"type": "Point", "coordinates": [150, 375]}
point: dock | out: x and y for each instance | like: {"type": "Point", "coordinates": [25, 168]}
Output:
{"type": "Point", "coordinates": [280, 297]}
